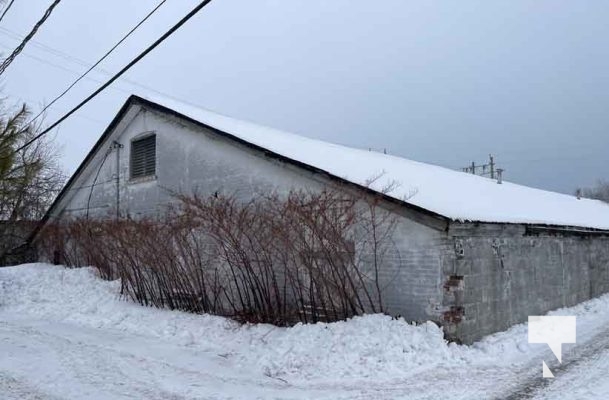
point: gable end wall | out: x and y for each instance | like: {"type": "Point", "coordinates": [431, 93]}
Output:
{"type": "Point", "coordinates": [191, 158]}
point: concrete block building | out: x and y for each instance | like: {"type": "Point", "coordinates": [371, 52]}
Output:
{"type": "Point", "coordinates": [474, 255]}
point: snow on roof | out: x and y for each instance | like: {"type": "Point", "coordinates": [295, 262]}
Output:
{"type": "Point", "coordinates": [453, 194]}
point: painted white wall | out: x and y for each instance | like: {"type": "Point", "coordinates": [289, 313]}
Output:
{"type": "Point", "coordinates": [193, 159]}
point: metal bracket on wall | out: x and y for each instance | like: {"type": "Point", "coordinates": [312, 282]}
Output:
{"type": "Point", "coordinates": [459, 248]}
{"type": "Point", "coordinates": [496, 246]}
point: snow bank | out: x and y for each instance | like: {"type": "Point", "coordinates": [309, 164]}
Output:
{"type": "Point", "coordinates": [372, 347]}
{"type": "Point", "coordinates": [454, 194]}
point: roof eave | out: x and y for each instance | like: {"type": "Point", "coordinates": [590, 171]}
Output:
{"type": "Point", "coordinates": [428, 217]}
{"type": "Point", "coordinates": [115, 121]}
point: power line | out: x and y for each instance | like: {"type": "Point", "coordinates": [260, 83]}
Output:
{"type": "Point", "coordinates": [66, 69]}
{"type": "Point", "coordinates": [23, 99]}
{"type": "Point", "coordinates": [99, 61]}
{"type": "Point", "coordinates": [61, 67]}
{"type": "Point", "coordinates": [77, 61]}
{"type": "Point", "coordinates": [52, 64]}
{"type": "Point", "coordinates": [18, 37]}
{"type": "Point", "coordinates": [81, 62]}
{"type": "Point", "coordinates": [6, 9]}
{"type": "Point", "coordinates": [121, 72]}
{"type": "Point", "coordinates": [95, 180]}
{"type": "Point", "coordinates": [7, 61]}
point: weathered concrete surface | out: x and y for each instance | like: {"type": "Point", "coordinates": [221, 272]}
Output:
{"type": "Point", "coordinates": [191, 159]}
{"type": "Point", "coordinates": [474, 279]}
{"type": "Point", "coordinates": [505, 274]}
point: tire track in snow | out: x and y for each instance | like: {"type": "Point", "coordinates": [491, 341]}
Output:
{"type": "Point", "coordinates": [576, 356]}
{"type": "Point", "coordinates": [92, 365]}
{"type": "Point", "coordinates": [112, 368]}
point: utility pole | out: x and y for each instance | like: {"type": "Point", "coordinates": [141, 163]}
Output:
{"type": "Point", "coordinates": [489, 169]}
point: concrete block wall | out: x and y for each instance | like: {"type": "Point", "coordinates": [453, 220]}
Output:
{"type": "Point", "coordinates": [411, 273]}
{"type": "Point", "coordinates": [506, 274]}
{"type": "Point", "coordinates": [474, 280]}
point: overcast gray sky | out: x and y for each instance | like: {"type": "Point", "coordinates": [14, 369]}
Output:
{"type": "Point", "coordinates": [445, 82]}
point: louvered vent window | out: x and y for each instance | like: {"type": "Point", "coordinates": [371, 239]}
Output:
{"type": "Point", "coordinates": [143, 157]}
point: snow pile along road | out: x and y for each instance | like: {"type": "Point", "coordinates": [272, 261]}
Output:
{"type": "Point", "coordinates": [371, 354]}
{"type": "Point", "coordinates": [364, 347]}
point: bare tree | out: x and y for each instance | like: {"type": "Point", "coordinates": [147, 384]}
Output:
{"type": "Point", "coordinates": [29, 178]}
{"type": "Point", "coordinates": [599, 192]}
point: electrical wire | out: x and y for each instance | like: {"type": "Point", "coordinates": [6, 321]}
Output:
{"type": "Point", "coordinates": [91, 68]}
{"type": "Point", "coordinates": [22, 99]}
{"type": "Point", "coordinates": [42, 46]}
{"type": "Point", "coordinates": [6, 10]}
{"type": "Point", "coordinates": [126, 68]}
{"type": "Point", "coordinates": [95, 180]}
{"type": "Point", "coordinates": [92, 185]}
{"type": "Point", "coordinates": [78, 61]}
{"type": "Point", "coordinates": [8, 60]}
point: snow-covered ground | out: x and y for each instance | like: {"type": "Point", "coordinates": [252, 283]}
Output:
{"type": "Point", "coordinates": [65, 334]}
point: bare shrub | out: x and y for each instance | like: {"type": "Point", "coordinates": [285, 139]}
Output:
{"type": "Point", "coordinates": [160, 263]}
{"type": "Point", "coordinates": [278, 259]}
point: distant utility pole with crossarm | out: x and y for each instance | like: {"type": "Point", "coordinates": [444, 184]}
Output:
{"type": "Point", "coordinates": [489, 169]}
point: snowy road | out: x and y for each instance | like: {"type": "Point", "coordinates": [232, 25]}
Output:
{"type": "Point", "coordinates": [71, 362]}
{"type": "Point", "coordinates": [43, 360]}
{"type": "Point", "coordinates": [81, 363]}
{"type": "Point", "coordinates": [583, 375]}
{"type": "Point", "coordinates": [65, 335]}
{"type": "Point", "coordinates": [63, 361]}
